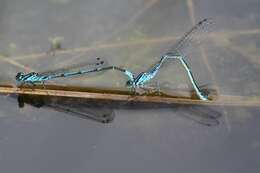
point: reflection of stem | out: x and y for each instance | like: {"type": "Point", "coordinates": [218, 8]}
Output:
{"type": "Point", "coordinates": [238, 33]}
{"type": "Point", "coordinates": [191, 11]}
{"type": "Point", "coordinates": [217, 36]}
{"type": "Point", "coordinates": [254, 59]}
{"type": "Point", "coordinates": [147, 6]}
{"type": "Point", "coordinates": [101, 46]}
{"type": "Point", "coordinates": [225, 42]}
{"type": "Point", "coordinates": [15, 63]}
{"type": "Point", "coordinates": [126, 26]}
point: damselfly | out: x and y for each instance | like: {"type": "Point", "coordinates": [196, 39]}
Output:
{"type": "Point", "coordinates": [175, 53]}
{"type": "Point", "coordinates": [134, 81]}
{"type": "Point", "coordinates": [33, 78]}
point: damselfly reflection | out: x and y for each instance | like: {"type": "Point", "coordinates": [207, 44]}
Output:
{"type": "Point", "coordinates": [174, 53]}
{"type": "Point", "coordinates": [103, 111]}
{"type": "Point", "coordinates": [205, 115]}
{"type": "Point", "coordinates": [73, 106]}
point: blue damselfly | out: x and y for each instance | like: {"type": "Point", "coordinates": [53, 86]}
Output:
{"type": "Point", "coordinates": [134, 81]}
{"type": "Point", "coordinates": [34, 78]}
{"type": "Point", "coordinates": [175, 53]}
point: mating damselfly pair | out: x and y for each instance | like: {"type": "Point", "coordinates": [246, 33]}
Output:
{"type": "Point", "coordinates": [104, 112]}
{"type": "Point", "coordinates": [133, 81]}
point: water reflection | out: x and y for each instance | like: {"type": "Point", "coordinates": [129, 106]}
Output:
{"type": "Point", "coordinates": [96, 111]}
{"type": "Point", "coordinates": [104, 111]}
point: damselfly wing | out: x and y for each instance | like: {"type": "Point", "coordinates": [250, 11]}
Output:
{"type": "Point", "coordinates": [173, 72]}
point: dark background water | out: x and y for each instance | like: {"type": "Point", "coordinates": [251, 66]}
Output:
{"type": "Point", "coordinates": [149, 140]}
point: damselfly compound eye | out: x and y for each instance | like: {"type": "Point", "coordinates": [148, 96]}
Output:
{"type": "Point", "coordinates": [129, 83]}
{"type": "Point", "coordinates": [19, 75]}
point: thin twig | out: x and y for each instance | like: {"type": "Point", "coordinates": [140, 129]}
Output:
{"type": "Point", "coordinates": [226, 100]}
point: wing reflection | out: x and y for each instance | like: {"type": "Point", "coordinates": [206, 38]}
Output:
{"type": "Point", "coordinates": [87, 109]}
{"type": "Point", "coordinates": [201, 114]}
{"type": "Point", "coordinates": [103, 111]}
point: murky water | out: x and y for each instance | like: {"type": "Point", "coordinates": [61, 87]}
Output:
{"type": "Point", "coordinates": [131, 34]}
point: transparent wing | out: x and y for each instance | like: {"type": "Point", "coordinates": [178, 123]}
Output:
{"type": "Point", "coordinates": [89, 63]}
{"type": "Point", "coordinates": [188, 44]}
{"type": "Point", "coordinates": [192, 38]}
{"type": "Point", "coordinates": [172, 72]}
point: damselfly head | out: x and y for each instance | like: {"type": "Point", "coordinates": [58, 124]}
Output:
{"type": "Point", "coordinates": [19, 76]}
{"type": "Point", "coordinates": [129, 83]}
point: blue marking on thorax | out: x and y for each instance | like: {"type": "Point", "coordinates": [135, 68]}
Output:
{"type": "Point", "coordinates": [146, 76]}
{"type": "Point", "coordinates": [154, 70]}
{"type": "Point", "coordinates": [30, 77]}
{"type": "Point", "coordinates": [138, 79]}
{"type": "Point", "coordinates": [142, 78]}
{"type": "Point", "coordinates": [34, 77]}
